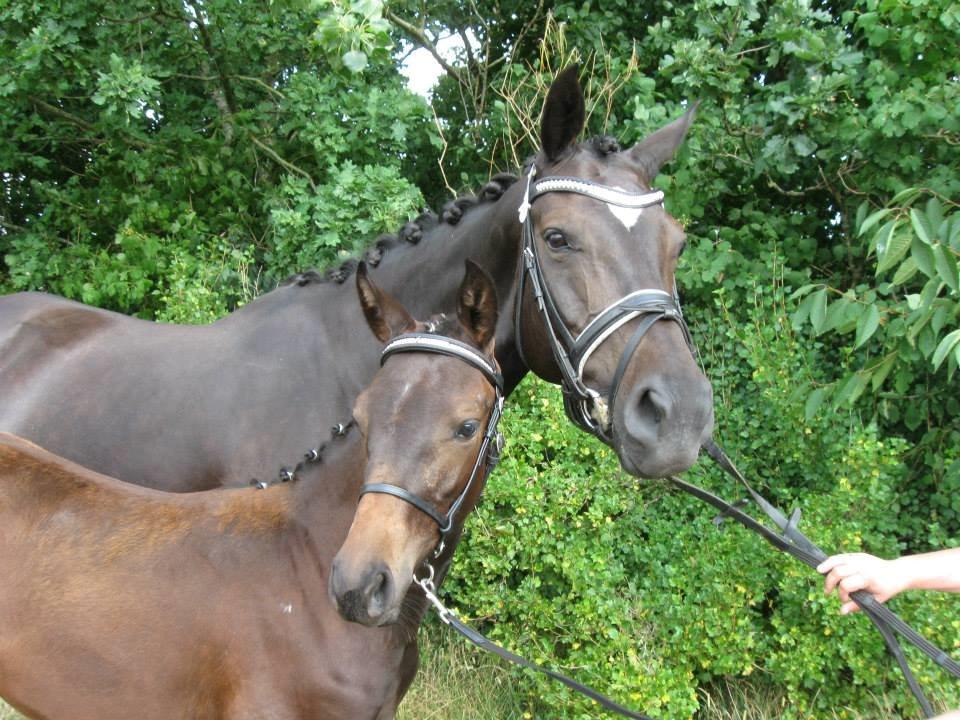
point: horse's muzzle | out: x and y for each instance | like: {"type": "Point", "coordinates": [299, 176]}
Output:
{"type": "Point", "coordinates": [368, 597]}
{"type": "Point", "coordinates": [659, 427]}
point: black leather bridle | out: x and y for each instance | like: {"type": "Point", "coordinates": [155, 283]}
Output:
{"type": "Point", "coordinates": [490, 448]}
{"type": "Point", "coordinates": [587, 408]}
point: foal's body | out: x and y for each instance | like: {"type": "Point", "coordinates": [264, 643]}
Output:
{"type": "Point", "coordinates": [119, 601]}
{"type": "Point", "coordinates": [207, 605]}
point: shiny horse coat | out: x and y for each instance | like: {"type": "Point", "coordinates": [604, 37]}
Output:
{"type": "Point", "coordinates": [122, 602]}
{"type": "Point", "coordinates": [186, 408]}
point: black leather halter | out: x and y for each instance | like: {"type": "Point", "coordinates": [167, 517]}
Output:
{"type": "Point", "coordinates": [586, 407]}
{"type": "Point", "coordinates": [490, 448]}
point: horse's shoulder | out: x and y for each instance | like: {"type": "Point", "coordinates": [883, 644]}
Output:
{"type": "Point", "coordinates": [43, 320]}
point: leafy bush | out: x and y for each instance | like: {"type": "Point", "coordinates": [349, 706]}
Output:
{"type": "Point", "coordinates": [629, 586]}
{"type": "Point", "coordinates": [313, 227]}
{"type": "Point", "coordinates": [899, 338]}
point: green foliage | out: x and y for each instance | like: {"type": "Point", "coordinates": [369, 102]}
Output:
{"type": "Point", "coordinates": [901, 344]}
{"type": "Point", "coordinates": [633, 589]}
{"type": "Point", "coordinates": [147, 141]}
{"type": "Point", "coordinates": [315, 226]}
{"type": "Point", "coordinates": [357, 32]}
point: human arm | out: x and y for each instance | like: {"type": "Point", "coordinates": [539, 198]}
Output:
{"type": "Point", "coordinates": [849, 572]}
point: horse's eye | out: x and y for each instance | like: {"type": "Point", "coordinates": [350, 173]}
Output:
{"type": "Point", "coordinates": [683, 246]}
{"type": "Point", "coordinates": [468, 429]}
{"type": "Point", "coordinates": [556, 240]}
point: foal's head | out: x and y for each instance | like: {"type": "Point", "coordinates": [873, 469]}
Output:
{"type": "Point", "coordinates": [423, 420]}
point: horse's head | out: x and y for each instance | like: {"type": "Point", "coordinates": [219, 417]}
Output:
{"type": "Point", "coordinates": [602, 250]}
{"type": "Point", "coordinates": [428, 421]}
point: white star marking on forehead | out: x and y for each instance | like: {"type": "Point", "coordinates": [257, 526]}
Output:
{"type": "Point", "coordinates": [628, 216]}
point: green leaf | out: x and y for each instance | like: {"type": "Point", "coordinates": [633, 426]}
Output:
{"type": "Point", "coordinates": [951, 232]}
{"type": "Point", "coordinates": [906, 196]}
{"type": "Point", "coordinates": [813, 403]}
{"type": "Point", "coordinates": [852, 388]}
{"type": "Point", "coordinates": [895, 246]}
{"type": "Point", "coordinates": [867, 325]}
{"type": "Point", "coordinates": [879, 372]}
{"type": "Point", "coordinates": [923, 255]}
{"type": "Point", "coordinates": [355, 60]}
{"type": "Point", "coordinates": [818, 310]}
{"type": "Point", "coordinates": [946, 265]}
{"type": "Point", "coordinates": [872, 220]}
{"type": "Point", "coordinates": [907, 269]}
{"type": "Point", "coordinates": [802, 291]}
{"type": "Point", "coordinates": [922, 226]}
{"type": "Point", "coordinates": [839, 317]}
{"type": "Point", "coordinates": [802, 313]}
{"type": "Point", "coordinates": [951, 341]}
{"type": "Point", "coordinates": [934, 215]}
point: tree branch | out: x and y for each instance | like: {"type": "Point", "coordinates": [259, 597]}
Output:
{"type": "Point", "coordinates": [6, 225]}
{"type": "Point", "coordinates": [272, 154]}
{"type": "Point", "coordinates": [246, 78]}
{"type": "Point", "coordinates": [225, 100]}
{"type": "Point", "coordinates": [420, 38]}
{"type": "Point", "coordinates": [88, 127]}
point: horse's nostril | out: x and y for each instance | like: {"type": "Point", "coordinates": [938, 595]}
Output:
{"type": "Point", "coordinates": [650, 408]}
{"type": "Point", "coordinates": [378, 593]}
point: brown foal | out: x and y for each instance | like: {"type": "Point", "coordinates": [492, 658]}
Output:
{"type": "Point", "coordinates": [120, 602]}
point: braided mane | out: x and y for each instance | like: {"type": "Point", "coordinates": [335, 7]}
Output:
{"type": "Point", "coordinates": [412, 232]}
{"type": "Point", "coordinates": [450, 214]}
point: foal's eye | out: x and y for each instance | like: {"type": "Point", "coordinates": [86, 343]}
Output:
{"type": "Point", "coordinates": [468, 429]}
{"type": "Point", "coordinates": [555, 240]}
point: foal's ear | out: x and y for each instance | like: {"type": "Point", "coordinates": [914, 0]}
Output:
{"type": "Point", "coordinates": [386, 317]}
{"type": "Point", "coordinates": [563, 114]}
{"type": "Point", "coordinates": [477, 307]}
{"type": "Point", "coordinates": [659, 147]}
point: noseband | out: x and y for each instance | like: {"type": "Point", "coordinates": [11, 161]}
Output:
{"type": "Point", "coordinates": [490, 448]}
{"type": "Point", "coordinates": [585, 406]}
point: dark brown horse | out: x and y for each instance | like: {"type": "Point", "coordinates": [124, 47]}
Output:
{"type": "Point", "coordinates": [188, 408]}
{"type": "Point", "coordinates": [121, 602]}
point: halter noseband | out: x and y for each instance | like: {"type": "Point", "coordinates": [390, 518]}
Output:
{"type": "Point", "coordinates": [585, 406]}
{"type": "Point", "coordinates": [492, 441]}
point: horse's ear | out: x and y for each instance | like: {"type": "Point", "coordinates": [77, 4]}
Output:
{"type": "Point", "coordinates": [477, 307]}
{"type": "Point", "coordinates": [386, 317]}
{"type": "Point", "coordinates": [659, 147]}
{"type": "Point", "coordinates": [563, 114]}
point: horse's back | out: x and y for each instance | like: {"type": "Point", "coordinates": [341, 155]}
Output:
{"type": "Point", "coordinates": [36, 483]}
{"type": "Point", "coordinates": [35, 327]}
{"type": "Point", "coordinates": [96, 387]}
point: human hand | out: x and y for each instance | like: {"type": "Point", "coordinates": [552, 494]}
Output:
{"type": "Point", "coordinates": [849, 572]}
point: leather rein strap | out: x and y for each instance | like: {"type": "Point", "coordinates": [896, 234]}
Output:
{"type": "Point", "coordinates": [448, 617]}
{"type": "Point", "coordinates": [586, 407]}
{"type": "Point", "coordinates": [790, 540]}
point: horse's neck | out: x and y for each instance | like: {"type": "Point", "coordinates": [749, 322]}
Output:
{"type": "Point", "coordinates": [323, 320]}
{"type": "Point", "coordinates": [426, 277]}
{"type": "Point", "coordinates": [324, 494]}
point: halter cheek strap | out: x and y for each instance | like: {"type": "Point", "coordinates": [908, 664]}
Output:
{"type": "Point", "coordinates": [488, 455]}
{"type": "Point", "coordinates": [586, 407]}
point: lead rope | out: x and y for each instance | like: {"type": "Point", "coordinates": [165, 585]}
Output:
{"type": "Point", "coordinates": [448, 617]}
{"type": "Point", "coordinates": [795, 543]}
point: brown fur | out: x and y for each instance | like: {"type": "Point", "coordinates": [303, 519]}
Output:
{"type": "Point", "coordinates": [119, 601]}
